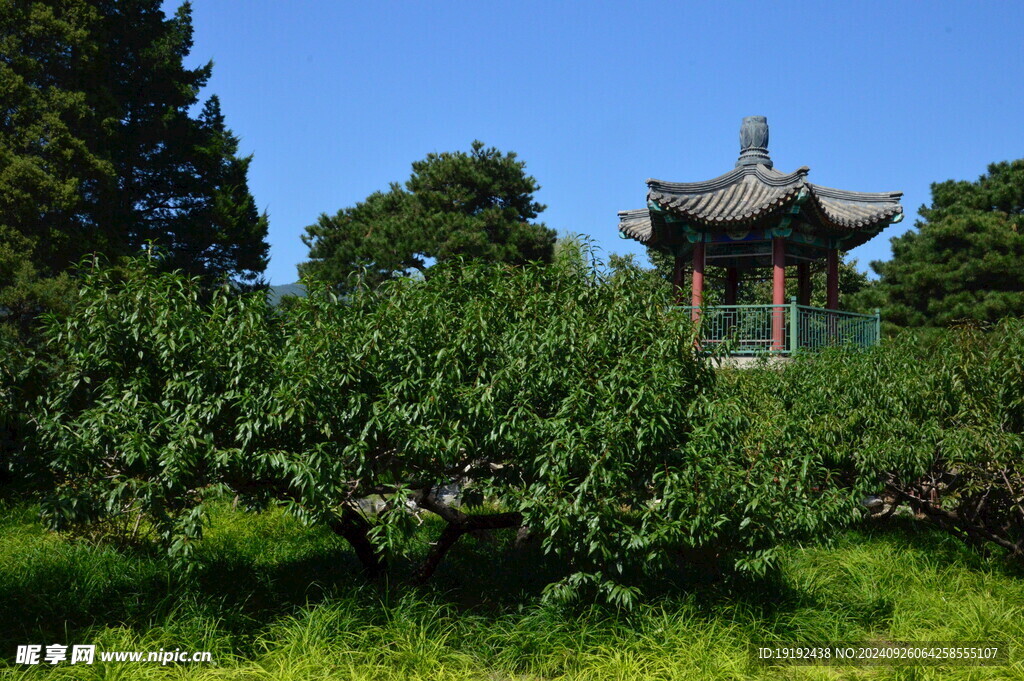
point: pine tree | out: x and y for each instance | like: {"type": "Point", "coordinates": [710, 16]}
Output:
{"type": "Point", "coordinates": [476, 205]}
{"type": "Point", "coordinates": [222, 231]}
{"type": "Point", "coordinates": [48, 154]}
{"type": "Point", "coordinates": [966, 258]}
{"type": "Point", "coordinates": [479, 205]}
{"type": "Point", "coordinates": [99, 152]}
{"type": "Point", "coordinates": [377, 238]}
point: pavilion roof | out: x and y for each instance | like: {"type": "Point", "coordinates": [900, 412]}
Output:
{"type": "Point", "coordinates": [754, 195]}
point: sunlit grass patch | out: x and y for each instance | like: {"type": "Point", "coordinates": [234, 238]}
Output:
{"type": "Point", "coordinates": [274, 599]}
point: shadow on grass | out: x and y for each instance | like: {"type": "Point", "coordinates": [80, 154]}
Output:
{"type": "Point", "coordinates": [254, 569]}
{"type": "Point", "coordinates": [56, 588]}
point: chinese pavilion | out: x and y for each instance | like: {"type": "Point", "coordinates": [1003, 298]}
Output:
{"type": "Point", "coordinates": [757, 217]}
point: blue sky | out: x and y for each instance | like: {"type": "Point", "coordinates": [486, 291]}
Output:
{"type": "Point", "coordinates": [337, 99]}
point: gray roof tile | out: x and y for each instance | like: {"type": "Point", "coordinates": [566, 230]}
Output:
{"type": "Point", "coordinates": [749, 194]}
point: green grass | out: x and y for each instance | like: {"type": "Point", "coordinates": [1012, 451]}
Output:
{"type": "Point", "coordinates": [272, 599]}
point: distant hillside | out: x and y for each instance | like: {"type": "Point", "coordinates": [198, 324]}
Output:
{"type": "Point", "coordinates": [275, 293]}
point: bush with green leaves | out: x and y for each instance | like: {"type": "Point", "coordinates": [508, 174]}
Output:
{"type": "Point", "coordinates": [9, 370]}
{"type": "Point", "coordinates": [572, 405]}
{"type": "Point", "coordinates": [146, 416]}
{"type": "Point", "coordinates": [933, 421]}
{"type": "Point", "coordinates": [24, 374]}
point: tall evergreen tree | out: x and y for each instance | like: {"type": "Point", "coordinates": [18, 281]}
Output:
{"type": "Point", "coordinates": [222, 230]}
{"type": "Point", "coordinates": [180, 182]}
{"type": "Point", "coordinates": [46, 159]}
{"type": "Point", "coordinates": [45, 122]}
{"type": "Point", "coordinates": [99, 151]}
{"type": "Point", "coordinates": [966, 258]}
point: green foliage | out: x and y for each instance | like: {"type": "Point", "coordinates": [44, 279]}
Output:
{"type": "Point", "coordinates": [179, 183]}
{"type": "Point", "coordinates": [25, 291]}
{"type": "Point", "coordinates": [99, 152]}
{"type": "Point", "coordinates": [557, 394]}
{"type": "Point", "coordinates": [456, 204]}
{"type": "Point", "coordinates": [222, 233]}
{"type": "Point", "coordinates": [143, 417]}
{"type": "Point", "coordinates": [933, 421]}
{"type": "Point", "coordinates": [479, 205]}
{"type": "Point", "coordinates": [964, 260]}
{"type": "Point", "coordinates": [371, 242]}
{"type": "Point", "coordinates": [573, 403]}
{"type": "Point", "coordinates": [9, 370]}
{"type": "Point", "coordinates": [49, 131]}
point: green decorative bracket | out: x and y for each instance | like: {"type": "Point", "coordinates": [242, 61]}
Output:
{"type": "Point", "coordinates": [666, 215]}
{"type": "Point", "coordinates": [787, 217]}
{"type": "Point", "coordinates": [694, 236]}
{"type": "Point", "coordinates": [810, 239]}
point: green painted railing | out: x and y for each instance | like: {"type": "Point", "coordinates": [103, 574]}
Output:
{"type": "Point", "coordinates": [758, 329]}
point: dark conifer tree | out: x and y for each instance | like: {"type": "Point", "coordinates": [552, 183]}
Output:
{"type": "Point", "coordinates": [965, 260]}
{"type": "Point", "coordinates": [99, 151]}
{"type": "Point", "coordinates": [476, 205]}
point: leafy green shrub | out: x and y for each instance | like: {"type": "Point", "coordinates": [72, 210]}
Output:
{"type": "Point", "coordinates": [24, 374]}
{"type": "Point", "coordinates": [8, 409]}
{"type": "Point", "coordinates": [573, 405]}
{"type": "Point", "coordinates": [933, 420]}
{"type": "Point", "coordinates": [146, 416]}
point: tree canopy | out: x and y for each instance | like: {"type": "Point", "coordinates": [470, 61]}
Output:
{"type": "Point", "coordinates": [966, 259]}
{"type": "Point", "coordinates": [476, 205]}
{"type": "Point", "coordinates": [100, 151]}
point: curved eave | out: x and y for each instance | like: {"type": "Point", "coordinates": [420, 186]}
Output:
{"type": "Point", "coordinates": [858, 237]}
{"type": "Point", "coordinates": [748, 195]}
{"type": "Point", "coordinates": [763, 174]}
{"type": "Point", "coordinates": [859, 211]}
{"type": "Point", "coordinates": [636, 224]}
{"type": "Point", "coordinates": [742, 202]}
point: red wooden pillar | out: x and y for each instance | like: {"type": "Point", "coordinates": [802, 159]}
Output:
{"type": "Point", "coordinates": [778, 293]}
{"type": "Point", "coordinates": [832, 279]}
{"type": "Point", "coordinates": [677, 278]}
{"type": "Point", "coordinates": [698, 280]}
{"type": "Point", "coordinates": [732, 281]}
{"type": "Point", "coordinates": [803, 277]}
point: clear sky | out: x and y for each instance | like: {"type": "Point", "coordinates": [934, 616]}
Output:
{"type": "Point", "coordinates": [337, 99]}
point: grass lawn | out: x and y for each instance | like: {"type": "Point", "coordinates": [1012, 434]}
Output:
{"type": "Point", "coordinates": [272, 599]}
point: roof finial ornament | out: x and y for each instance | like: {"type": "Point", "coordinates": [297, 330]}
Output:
{"type": "Point", "coordinates": [754, 142]}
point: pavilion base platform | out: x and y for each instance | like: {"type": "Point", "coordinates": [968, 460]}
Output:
{"type": "Point", "coordinates": [750, 362]}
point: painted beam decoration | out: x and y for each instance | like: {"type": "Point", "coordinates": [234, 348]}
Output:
{"type": "Point", "coordinates": [754, 202]}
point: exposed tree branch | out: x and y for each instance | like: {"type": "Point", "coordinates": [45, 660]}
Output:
{"type": "Point", "coordinates": [458, 524]}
